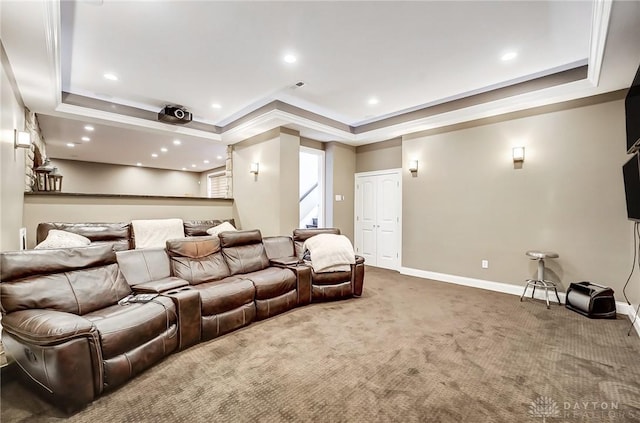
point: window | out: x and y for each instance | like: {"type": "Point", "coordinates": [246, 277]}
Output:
{"type": "Point", "coordinates": [217, 184]}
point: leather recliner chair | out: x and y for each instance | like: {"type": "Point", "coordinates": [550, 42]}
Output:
{"type": "Point", "coordinates": [64, 327]}
{"type": "Point", "coordinates": [326, 285]}
{"type": "Point", "coordinates": [278, 288]}
{"type": "Point", "coordinates": [235, 280]}
{"type": "Point", "coordinates": [226, 300]}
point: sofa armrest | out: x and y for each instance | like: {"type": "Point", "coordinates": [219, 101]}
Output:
{"type": "Point", "coordinates": [303, 277]}
{"type": "Point", "coordinates": [161, 285]}
{"type": "Point", "coordinates": [46, 327]}
{"type": "Point", "coordinates": [285, 261]}
{"type": "Point", "coordinates": [357, 276]}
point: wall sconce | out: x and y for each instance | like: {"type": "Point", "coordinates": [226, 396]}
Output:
{"type": "Point", "coordinates": [21, 139]}
{"type": "Point", "coordinates": [413, 166]}
{"type": "Point", "coordinates": [254, 168]}
{"type": "Point", "coordinates": [518, 154]}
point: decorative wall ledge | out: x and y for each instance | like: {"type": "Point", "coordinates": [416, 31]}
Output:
{"type": "Point", "coordinates": [124, 196]}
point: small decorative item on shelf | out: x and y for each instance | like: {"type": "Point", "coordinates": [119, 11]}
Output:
{"type": "Point", "coordinates": [42, 175]}
{"type": "Point", "coordinates": [55, 180]}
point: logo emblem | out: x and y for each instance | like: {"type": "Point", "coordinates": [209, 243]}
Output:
{"type": "Point", "coordinates": [544, 407]}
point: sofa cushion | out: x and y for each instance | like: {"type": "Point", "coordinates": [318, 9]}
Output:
{"type": "Point", "coordinates": [154, 233]}
{"type": "Point", "coordinates": [141, 266]}
{"type": "Point", "coordinates": [224, 295]}
{"type": "Point", "coordinates": [206, 269]}
{"type": "Point", "coordinates": [197, 259]}
{"type": "Point", "coordinates": [278, 246]}
{"type": "Point", "coordinates": [117, 235]}
{"type": "Point", "coordinates": [199, 227]}
{"type": "Point", "coordinates": [160, 285]}
{"type": "Point", "coordinates": [124, 327]}
{"type": "Point", "coordinates": [243, 251]}
{"type": "Point", "coordinates": [195, 247]}
{"type": "Point", "coordinates": [62, 239]}
{"type": "Point", "coordinates": [330, 278]}
{"type": "Point", "coordinates": [78, 292]}
{"type": "Point", "coordinates": [272, 282]}
{"type": "Point", "coordinates": [21, 264]}
{"type": "Point", "coordinates": [74, 280]}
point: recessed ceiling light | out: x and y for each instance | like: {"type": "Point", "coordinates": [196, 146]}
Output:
{"type": "Point", "coordinates": [290, 58]}
{"type": "Point", "coordinates": [154, 155]}
{"type": "Point", "coordinates": [177, 142]}
{"type": "Point", "coordinates": [138, 164]}
{"type": "Point", "coordinates": [193, 165]}
{"type": "Point", "coordinates": [184, 168]}
{"type": "Point", "coordinates": [85, 139]}
{"type": "Point", "coordinates": [89, 128]}
{"type": "Point", "coordinates": [509, 56]}
{"type": "Point", "coordinates": [205, 161]}
{"type": "Point", "coordinates": [110, 77]}
{"type": "Point", "coordinates": [164, 149]}
{"type": "Point", "coordinates": [216, 106]}
{"type": "Point", "coordinates": [373, 101]}
{"type": "Point", "coordinates": [70, 145]}
{"type": "Point", "coordinates": [219, 157]}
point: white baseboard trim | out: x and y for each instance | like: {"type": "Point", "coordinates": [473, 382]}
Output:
{"type": "Point", "coordinates": [621, 307]}
{"type": "Point", "coordinates": [631, 312]}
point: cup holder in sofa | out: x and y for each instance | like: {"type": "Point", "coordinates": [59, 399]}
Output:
{"type": "Point", "coordinates": [178, 290]}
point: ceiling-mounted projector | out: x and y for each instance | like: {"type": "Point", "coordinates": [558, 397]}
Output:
{"type": "Point", "coordinates": [174, 114]}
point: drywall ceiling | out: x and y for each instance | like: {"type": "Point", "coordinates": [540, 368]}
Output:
{"type": "Point", "coordinates": [371, 70]}
{"type": "Point", "coordinates": [157, 149]}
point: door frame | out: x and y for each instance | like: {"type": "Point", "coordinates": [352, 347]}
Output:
{"type": "Point", "coordinates": [397, 171]}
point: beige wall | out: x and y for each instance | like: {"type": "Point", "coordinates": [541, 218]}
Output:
{"type": "Point", "coordinates": [340, 171]}
{"type": "Point", "coordinates": [66, 208]}
{"type": "Point", "coordinates": [267, 201]}
{"type": "Point", "coordinates": [289, 182]}
{"type": "Point", "coordinates": [468, 203]}
{"type": "Point", "coordinates": [309, 143]}
{"type": "Point", "coordinates": [379, 156]}
{"type": "Point", "coordinates": [12, 163]}
{"type": "Point", "coordinates": [103, 178]}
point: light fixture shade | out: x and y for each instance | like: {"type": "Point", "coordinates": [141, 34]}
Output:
{"type": "Point", "coordinates": [22, 139]}
{"type": "Point", "coordinates": [413, 166]}
{"type": "Point", "coordinates": [45, 167]}
{"type": "Point", "coordinates": [518, 154]}
{"type": "Point", "coordinates": [255, 167]}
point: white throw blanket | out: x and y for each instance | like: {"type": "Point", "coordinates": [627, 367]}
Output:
{"type": "Point", "coordinates": [154, 233]}
{"type": "Point", "coordinates": [330, 253]}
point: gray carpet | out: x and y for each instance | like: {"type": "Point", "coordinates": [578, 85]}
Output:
{"type": "Point", "coordinates": [409, 350]}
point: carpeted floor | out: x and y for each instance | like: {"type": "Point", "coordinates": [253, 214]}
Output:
{"type": "Point", "coordinates": [409, 350]}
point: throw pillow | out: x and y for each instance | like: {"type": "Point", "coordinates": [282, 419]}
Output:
{"type": "Point", "coordinates": [223, 227]}
{"type": "Point", "coordinates": [62, 239]}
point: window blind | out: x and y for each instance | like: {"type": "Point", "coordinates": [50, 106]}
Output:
{"type": "Point", "coordinates": [217, 185]}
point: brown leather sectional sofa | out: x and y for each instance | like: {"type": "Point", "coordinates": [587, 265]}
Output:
{"type": "Point", "coordinates": [119, 234]}
{"type": "Point", "coordinates": [68, 330]}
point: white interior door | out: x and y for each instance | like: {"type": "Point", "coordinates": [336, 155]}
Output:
{"type": "Point", "coordinates": [378, 207]}
{"type": "Point", "coordinates": [388, 221]}
{"type": "Point", "coordinates": [366, 219]}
